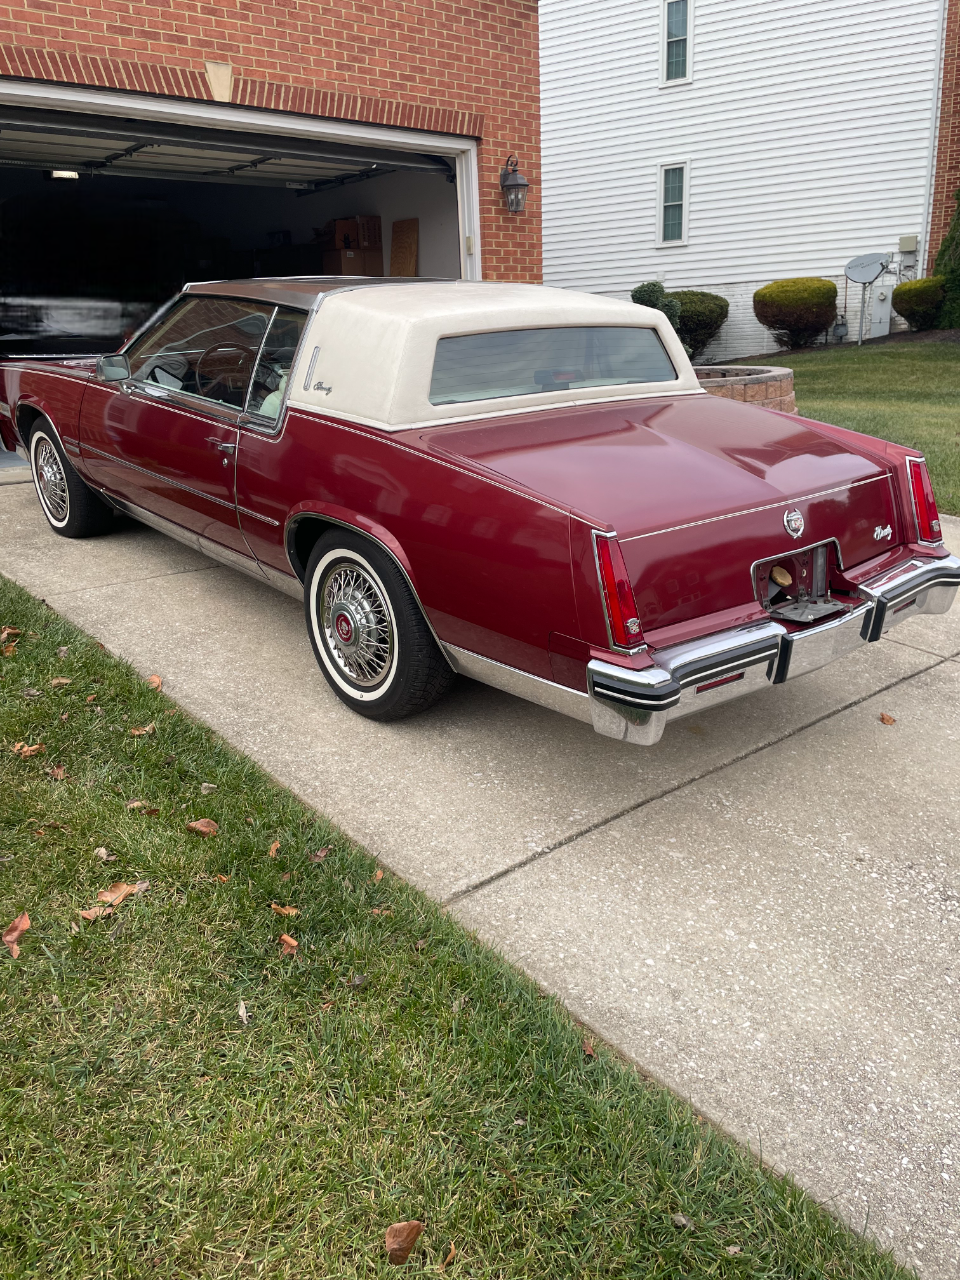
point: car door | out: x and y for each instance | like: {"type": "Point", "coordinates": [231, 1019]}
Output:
{"type": "Point", "coordinates": [165, 439]}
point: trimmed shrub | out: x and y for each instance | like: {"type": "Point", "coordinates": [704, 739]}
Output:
{"type": "Point", "coordinates": [701, 318]}
{"type": "Point", "coordinates": [654, 295]}
{"type": "Point", "coordinates": [948, 266]}
{"type": "Point", "coordinates": [796, 311]}
{"type": "Point", "coordinates": [920, 301]}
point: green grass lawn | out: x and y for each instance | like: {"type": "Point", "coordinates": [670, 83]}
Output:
{"type": "Point", "coordinates": [907, 392]}
{"type": "Point", "coordinates": [392, 1068]}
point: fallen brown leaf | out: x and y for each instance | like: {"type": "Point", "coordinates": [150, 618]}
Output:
{"type": "Point", "coordinates": [204, 827]}
{"type": "Point", "coordinates": [63, 651]}
{"type": "Point", "coordinates": [207, 788]}
{"type": "Point", "coordinates": [377, 878]}
{"type": "Point", "coordinates": [65, 716]}
{"type": "Point", "coordinates": [284, 911]}
{"type": "Point", "coordinates": [59, 681]}
{"type": "Point", "coordinates": [242, 1013]}
{"type": "Point", "coordinates": [274, 849]}
{"type": "Point", "coordinates": [24, 752]}
{"type": "Point", "coordinates": [222, 878]}
{"type": "Point", "coordinates": [14, 932]}
{"type": "Point", "coordinates": [8, 650]}
{"type": "Point", "coordinates": [147, 728]}
{"type": "Point", "coordinates": [149, 813]}
{"type": "Point", "coordinates": [588, 1049]}
{"type": "Point", "coordinates": [327, 1006]}
{"type": "Point", "coordinates": [32, 693]}
{"type": "Point", "coordinates": [92, 698]}
{"type": "Point", "coordinates": [420, 944]}
{"type": "Point", "coordinates": [117, 893]}
{"type": "Point", "coordinates": [681, 1220]}
{"type": "Point", "coordinates": [120, 891]}
{"type": "Point", "coordinates": [319, 855]}
{"type": "Point", "coordinates": [356, 982]}
{"type": "Point", "coordinates": [733, 1249]}
{"type": "Point", "coordinates": [285, 876]}
{"type": "Point", "coordinates": [74, 927]}
{"type": "Point", "coordinates": [104, 855]}
{"type": "Point", "coordinates": [94, 913]}
{"type": "Point", "coordinates": [8, 631]}
{"type": "Point", "coordinates": [381, 911]}
{"type": "Point", "coordinates": [155, 682]}
{"type": "Point", "coordinates": [400, 1239]}
{"type": "Point", "coordinates": [58, 772]}
{"type": "Point", "coordinates": [886, 719]}
{"type": "Point", "coordinates": [288, 945]}
{"type": "Point", "coordinates": [450, 1257]}
{"type": "Point", "coordinates": [135, 804]}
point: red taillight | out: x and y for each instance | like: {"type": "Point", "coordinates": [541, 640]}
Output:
{"type": "Point", "coordinates": [625, 629]}
{"type": "Point", "coordinates": [924, 503]}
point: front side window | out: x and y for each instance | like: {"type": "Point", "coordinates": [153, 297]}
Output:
{"type": "Point", "coordinates": [676, 22]}
{"type": "Point", "coordinates": [673, 203]}
{"type": "Point", "coordinates": [204, 347]}
{"type": "Point", "coordinates": [523, 362]}
{"type": "Point", "coordinates": [269, 385]}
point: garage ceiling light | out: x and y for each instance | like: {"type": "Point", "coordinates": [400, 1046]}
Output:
{"type": "Point", "coordinates": [64, 173]}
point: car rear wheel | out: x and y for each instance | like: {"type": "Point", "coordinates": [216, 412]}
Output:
{"type": "Point", "coordinates": [71, 508]}
{"type": "Point", "coordinates": [369, 636]}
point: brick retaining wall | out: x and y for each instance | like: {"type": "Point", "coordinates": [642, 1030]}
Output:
{"type": "Point", "coordinates": [769, 387]}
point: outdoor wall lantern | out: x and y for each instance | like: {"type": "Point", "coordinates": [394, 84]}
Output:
{"type": "Point", "coordinates": [513, 185]}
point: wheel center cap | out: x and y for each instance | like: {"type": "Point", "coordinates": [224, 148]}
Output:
{"type": "Point", "coordinates": [345, 627]}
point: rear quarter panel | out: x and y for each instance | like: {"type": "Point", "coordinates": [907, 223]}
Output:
{"type": "Point", "coordinates": [55, 389]}
{"type": "Point", "coordinates": [491, 566]}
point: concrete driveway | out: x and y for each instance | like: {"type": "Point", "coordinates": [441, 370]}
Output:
{"type": "Point", "coordinates": [762, 912]}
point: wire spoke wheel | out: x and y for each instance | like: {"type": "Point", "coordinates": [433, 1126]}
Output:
{"type": "Point", "coordinates": [357, 625]}
{"type": "Point", "coordinates": [51, 480]}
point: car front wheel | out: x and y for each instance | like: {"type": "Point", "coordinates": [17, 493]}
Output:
{"type": "Point", "coordinates": [369, 636]}
{"type": "Point", "coordinates": [71, 508]}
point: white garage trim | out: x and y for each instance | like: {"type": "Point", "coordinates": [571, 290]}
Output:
{"type": "Point", "coordinates": [213, 115]}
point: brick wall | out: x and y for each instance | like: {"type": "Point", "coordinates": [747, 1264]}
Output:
{"type": "Point", "coordinates": [947, 176]}
{"type": "Point", "coordinates": [469, 68]}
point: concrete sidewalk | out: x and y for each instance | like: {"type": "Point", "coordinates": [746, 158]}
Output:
{"type": "Point", "coordinates": [763, 911]}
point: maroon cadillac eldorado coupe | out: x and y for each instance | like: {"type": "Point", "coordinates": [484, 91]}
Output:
{"type": "Point", "coordinates": [520, 484]}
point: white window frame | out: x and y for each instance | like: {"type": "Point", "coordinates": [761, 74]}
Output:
{"type": "Point", "coordinates": [688, 78]}
{"type": "Point", "coordinates": [661, 170]}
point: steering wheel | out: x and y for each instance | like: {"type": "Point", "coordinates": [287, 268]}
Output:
{"type": "Point", "coordinates": [226, 365]}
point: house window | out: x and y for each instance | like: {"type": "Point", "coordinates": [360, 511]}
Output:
{"type": "Point", "coordinates": [673, 220]}
{"type": "Point", "coordinates": [676, 41]}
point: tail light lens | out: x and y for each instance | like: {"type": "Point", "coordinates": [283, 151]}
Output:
{"type": "Point", "coordinates": [625, 629]}
{"type": "Point", "coordinates": [924, 503]}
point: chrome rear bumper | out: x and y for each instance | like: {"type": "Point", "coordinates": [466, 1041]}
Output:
{"type": "Point", "coordinates": [634, 706]}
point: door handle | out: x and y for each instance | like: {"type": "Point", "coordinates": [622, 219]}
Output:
{"type": "Point", "coordinates": [224, 446]}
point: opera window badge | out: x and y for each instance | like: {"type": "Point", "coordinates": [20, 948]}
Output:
{"type": "Point", "coordinates": [513, 185]}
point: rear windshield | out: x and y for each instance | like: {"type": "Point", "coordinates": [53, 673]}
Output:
{"type": "Point", "coordinates": [522, 362]}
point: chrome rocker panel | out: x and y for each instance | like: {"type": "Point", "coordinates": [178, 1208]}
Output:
{"type": "Point", "coordinates": [634, 706]}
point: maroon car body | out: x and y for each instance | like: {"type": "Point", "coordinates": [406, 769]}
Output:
{"type": "Point", "coordinates": [606, 540]}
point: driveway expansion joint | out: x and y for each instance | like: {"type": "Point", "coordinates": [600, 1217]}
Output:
{"type": "Point", "coordinates": [600, 823]}
{"type": "Point", "coordinates": [132, 582]}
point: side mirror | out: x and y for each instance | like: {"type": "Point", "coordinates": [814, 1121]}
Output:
{"type": "Point", "coordinates": [113, 368]}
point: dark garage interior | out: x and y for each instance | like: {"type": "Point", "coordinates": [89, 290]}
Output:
{"type": "Point", "coordinates": [103, 219]}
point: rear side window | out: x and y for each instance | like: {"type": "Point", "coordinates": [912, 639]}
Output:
{"type": "Point", "coordinates": [522, 362]}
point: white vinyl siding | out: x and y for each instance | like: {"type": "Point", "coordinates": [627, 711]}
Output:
{"type": "Point", "coordinates": [806, 149]}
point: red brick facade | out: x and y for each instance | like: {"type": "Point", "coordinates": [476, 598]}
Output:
{"type": "Point", "coordinates": [464, 68]}
{"type": "Point", "coordinates": [947, 177]}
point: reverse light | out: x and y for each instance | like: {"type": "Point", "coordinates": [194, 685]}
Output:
{"type": "Point", "coordinates": [924, 503]}
{"type": "Point", "coordinates": [625, 629]}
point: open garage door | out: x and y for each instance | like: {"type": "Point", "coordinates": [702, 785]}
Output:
{"type": "Point", "coordinates": [103, 218]}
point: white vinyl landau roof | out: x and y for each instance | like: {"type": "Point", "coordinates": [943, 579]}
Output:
{"type": "Point", "coordinates": [368, 352]}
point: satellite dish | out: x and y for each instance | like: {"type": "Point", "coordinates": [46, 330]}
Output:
{"type": "Point", "coordinates": [866, 268]}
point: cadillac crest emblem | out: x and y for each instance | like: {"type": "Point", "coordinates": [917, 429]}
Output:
{"type": "Point", "coordinates": [793, 523]}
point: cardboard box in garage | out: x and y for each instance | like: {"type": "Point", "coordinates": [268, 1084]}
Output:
{"type": "Point", "coordinates": [353, 262]}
